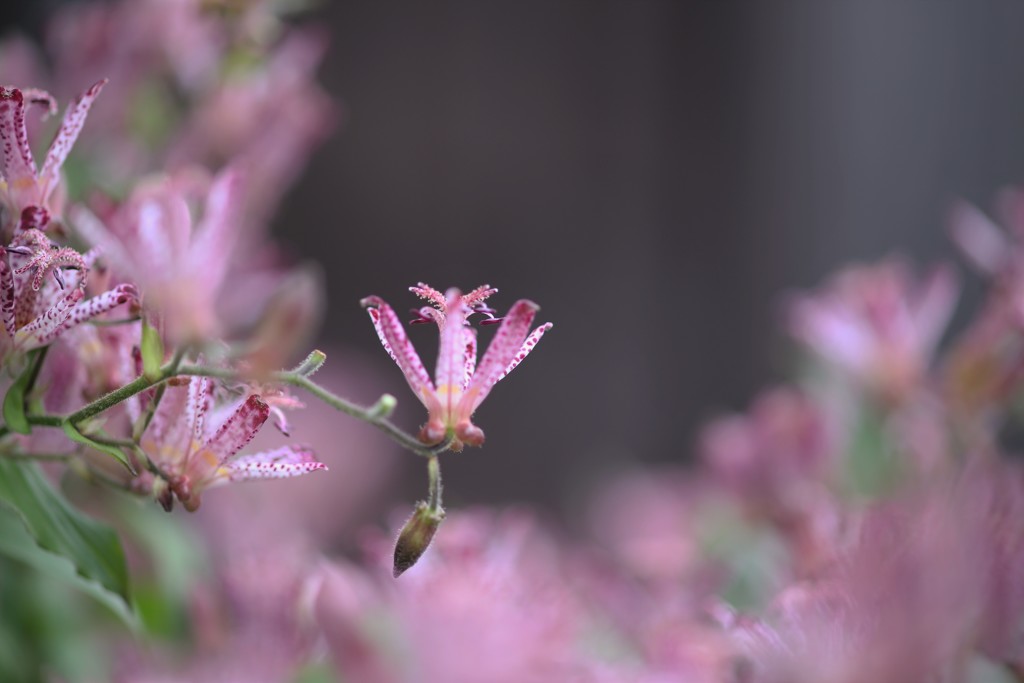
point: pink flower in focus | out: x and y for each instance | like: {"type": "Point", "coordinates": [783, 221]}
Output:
{"type": "Point", "coordinates": [29, 195]}
{"type": "Point", "coordinates": [877, 324]}
{"type": "Point", "coordinates": [180, 267]}
{"type": "Point", "coordinates": [461, 386]}
{"type": "Point", "coordinates": [39, 301]}
{"type": "Point", "coordinates": [195, 453]}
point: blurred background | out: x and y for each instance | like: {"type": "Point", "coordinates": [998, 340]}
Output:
{"type": "Point", "coordinates": [656, 175]}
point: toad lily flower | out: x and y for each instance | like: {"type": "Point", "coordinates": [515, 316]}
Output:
{"type": "Point", "coordinates": [36, 309]}
{"type": "Point", "coordinates": [459, 386]}
{"type": "Point", "coordinates": [28, 194]}
{"type": "Point", "coordinates": [195, 455]}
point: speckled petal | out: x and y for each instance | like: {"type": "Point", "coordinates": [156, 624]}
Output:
{"type": "Point", "coordinates": [469, 344]}
{"type": "Point", "coordinates": [200, 400]}
{"type": "Point", "coordinates": [100, 304]}
{"type": "Point", "coordinates": [504, 348]}
{"type": "Point", "coordinates": [18, 166]}
{"type": "Point", "coordinates": [49, 324]}
{"type": "Point", "coordinates": [289, 461]}
{"type": "Point", "coordinates": [239, 429]}
{"type": "Point", "coordinates": [525, 349]}
{"type": "Point", "coordinates": [74, 119]}
{"type": "Point", "coordinates": [6, 294]}
{"type": "Point", "coordinates": [396, 343]}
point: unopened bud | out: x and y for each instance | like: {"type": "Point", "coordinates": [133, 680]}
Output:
{"type": "Point", "coordinates": [313, 362]}
{"type": "Point", "coordinates": [415, 536]}
{"type": "Point", "coordinates": [382, 409]}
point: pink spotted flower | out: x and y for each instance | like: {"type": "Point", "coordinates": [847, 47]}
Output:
{"type": "Point", "coordinates": [459, 385]}
{"type": "Point", "coordinates": [30, 196]}
{"type": "Point", "coordinates": [42, 288]}
{"type": "Point", "coordinates": [196, 447]}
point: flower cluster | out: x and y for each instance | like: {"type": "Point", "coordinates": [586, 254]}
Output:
{"type": "Point", "coordinates": [863, 523]}
{"type": "Point", "coordinates": [114, 281]}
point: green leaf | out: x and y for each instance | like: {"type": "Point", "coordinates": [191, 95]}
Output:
{"type": "Point", "coordinates": [14, 401]}
{"type": "Point", "coordinates": [73, 433]}
{"type": "Point", "coordinates": [152, 348]}
{"type": "Point", "coordinates": [55, 526]}
{"type": "Point", "coordinates": [17, 543]}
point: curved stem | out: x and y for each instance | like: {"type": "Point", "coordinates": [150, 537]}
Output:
{"type": "Point", "coordinates": [435, 486]}
{"type": "Point", "coordinates": [375, 415]}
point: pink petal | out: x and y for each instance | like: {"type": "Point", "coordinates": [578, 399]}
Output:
{"type": "Point", "coordinates": [18, 165]}
{"type": "Point", "coordinates": [451, 358]}
{"type": "Point", "coordinates": [74, 119]}
{"type": "Point", "coordinates": [6, 294]}
{"type": "Point", "coordinates": [469, 344]}
{"type": "Point", "coordinates": [239, 429]}
{"type": "Point", "coordinates": [396, 343]}
{"type": "Point", "coordinates": [980, 240]}
{"type": "Point", "coordinates": [525, 349]}
{"type": "Point", "coordinates": [934, 307]}
{"type": "Point", "coordinates": [506, 345]}
{"type": "Point", "coordinates": [200, 399]}
{"type": "Point", "coordinates": [49, 324]}
{"type": "Point", "coordinates": [288, 461]}
{"type": "Point", "coordinates": [95, 233]}
{"type": "Point", "coordinates": [168, 438]}
{"type": "Point", "coordinates": [100, 304]}
{"type": "Point", "coordinates": [213, 241]}
{"type": "Point", "coordinates": [40, 98]}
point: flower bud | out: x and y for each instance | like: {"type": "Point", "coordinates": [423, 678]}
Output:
{"type": "Point", "coordinates": [416, 536]}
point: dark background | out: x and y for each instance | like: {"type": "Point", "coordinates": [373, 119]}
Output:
{"type": "Point", "coordinates": [654, 174]}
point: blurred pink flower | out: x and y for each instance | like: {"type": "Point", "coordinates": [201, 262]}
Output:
{"type": "Point", "coordinates": [904, 603]}
{"type": "Point", "coordinates": [180, 267]}
{"type": "Point", "coordinates": [266, 120]}
{"type": "Point", "coordinates": [489, 603]}
{"type": "Point", "coordinates": [39, 301]}
{"type": "Point", "coordinates": [778, 461]}
{"type": "Point", "coordinates": [877, 324]}
{"type": "Point", "coordinates": [29, 196]}
{"type": "Point", "coordinates": [985, 365]}
{"type": "Point", "coordinates": [196, 448]}
{"type": "Point", "coordinates": [649, 522]}
{"type": "Point", "coordinates": [461, 386]}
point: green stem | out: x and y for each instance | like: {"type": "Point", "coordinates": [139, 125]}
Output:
{"type": "Point", "coordinates": [36, 367]}
{"type": "Point", "coordinates": [373, 415]}
{"type": "Point", "coordinates": [434, 472]}
{"type": "Point", "coordinates": [46, 420]}
{"type": "Point", "coordinates": [110, 400]}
